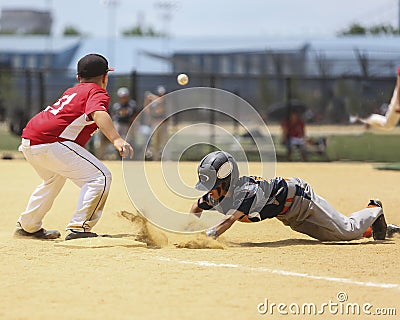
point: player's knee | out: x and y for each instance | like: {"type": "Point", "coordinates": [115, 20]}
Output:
{"type": "Point", "coordinates": [103, 179]}
{"type": "Point", "coordinates": [107, 178]}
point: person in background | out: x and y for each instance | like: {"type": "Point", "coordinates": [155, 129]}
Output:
{"type": "Point", "coordinates": [155, 112]}
{"type": "Point", "coordinates": [293, 135]}
{"type": "Point", "coordinates": [392, 114]}
{"type": "Point", "coordinates": [124, 112]}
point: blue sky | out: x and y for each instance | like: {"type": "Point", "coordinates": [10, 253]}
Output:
{"type": "Point", "coordinates": [281, 18]}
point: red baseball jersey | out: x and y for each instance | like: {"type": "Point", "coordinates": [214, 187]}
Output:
{"type": "Point", "coordinates": [294, 130]}
{"type": "Point", "coordinates": [69, 118]}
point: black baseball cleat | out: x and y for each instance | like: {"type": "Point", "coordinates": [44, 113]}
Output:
{"type": "Point", "coordinates": [379, 226]}
{"type": "Point", "coordinates": [41, 234]}
{"type": "Point", "coordinates": [391, 230]}
{"type": "Point", "coordinates": [375, 203]}
{"type": "Point", "coordinates": [80, 234]}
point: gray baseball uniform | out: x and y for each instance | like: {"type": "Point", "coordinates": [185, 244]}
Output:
{"type": "Point", "coordinates": [294, 202]}
{"type": "Point", "coordinates": [314, 216]}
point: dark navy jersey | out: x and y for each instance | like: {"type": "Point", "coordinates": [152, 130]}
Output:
{"type": "Point", "coordinates": [257, 198]}
{"type": "Point", "coordinates": [123, 113]}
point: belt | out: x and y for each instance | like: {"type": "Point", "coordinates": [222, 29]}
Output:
{"type": "Point", "coordinates": [290, 195]}
{"type": "Point", "coordinates": [29, 142]}
{"type": "Point", "coordinates": [26, 142]}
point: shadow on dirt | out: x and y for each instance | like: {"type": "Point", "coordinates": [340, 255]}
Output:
{"type": "Point", "coordinates": [305, 242]}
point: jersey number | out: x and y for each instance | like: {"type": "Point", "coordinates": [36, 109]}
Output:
{"type": "Point", "coordinates": [61, 103]}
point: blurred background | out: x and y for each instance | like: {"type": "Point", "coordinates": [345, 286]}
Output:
{"type": "Point", "coordinates": [325, 60]}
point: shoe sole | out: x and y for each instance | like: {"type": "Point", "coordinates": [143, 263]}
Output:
{"type": "Point", "coordinates": [81, 235]}
{"type": "Point", "coordinates": [392, 230]}
{"type": "Point", "coordinates": [19, 233]}
{"type": "Point", "coordinates": [379, 228]}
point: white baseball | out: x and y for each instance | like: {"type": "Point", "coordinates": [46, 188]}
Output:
{"type": "Point", "coordinates": [183, 79]}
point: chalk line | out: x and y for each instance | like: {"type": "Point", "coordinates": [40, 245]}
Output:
{"type": "Point", "coordinates": [280, 272]}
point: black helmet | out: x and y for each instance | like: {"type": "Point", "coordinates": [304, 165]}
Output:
{"type": "Point", "coordinates": [215, 168]}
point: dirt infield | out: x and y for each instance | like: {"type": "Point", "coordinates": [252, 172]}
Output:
{"type": "Point", "coordinates": [253, 266]}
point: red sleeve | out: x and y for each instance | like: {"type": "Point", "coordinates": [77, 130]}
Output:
{"type": "Point", "coordinates": [98, 101]}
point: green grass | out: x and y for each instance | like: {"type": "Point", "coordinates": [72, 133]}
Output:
{"type": "Point", "coordinates": [8, 141]}
{"type": "Point", "coordinates": [365, 147]}
{"type": "Point", "coordinates": [389, 166]}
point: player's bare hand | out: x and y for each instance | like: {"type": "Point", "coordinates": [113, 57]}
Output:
{"type": "Point", "coordinates": [126, 151]}
{"type": "Point", "coordinates": [124, 148]}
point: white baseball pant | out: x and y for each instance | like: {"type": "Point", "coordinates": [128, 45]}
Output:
{"type": "Point", "coordinates": [390, 119]}
{"type": "Point", "coordinates": [54, 163]}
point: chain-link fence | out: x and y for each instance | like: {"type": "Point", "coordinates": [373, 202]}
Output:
{"type": "Point", "coordinates": [328, 100]}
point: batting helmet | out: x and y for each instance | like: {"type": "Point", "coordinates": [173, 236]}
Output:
{"type": "Point", "coordinates": [123, 92]}
{"type": "Point", "coordinates": [216, 168]}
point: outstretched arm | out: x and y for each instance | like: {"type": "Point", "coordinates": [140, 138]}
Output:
{"type": "Point", "coordinates": [105, 124]}
{"type": "Point", "coordinates": [196, 210]}
{"type": "Point", "coordinates": [232, 216]}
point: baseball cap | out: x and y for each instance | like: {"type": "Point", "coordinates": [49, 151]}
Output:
{"type": "Point", "coordinates": [93, 65]}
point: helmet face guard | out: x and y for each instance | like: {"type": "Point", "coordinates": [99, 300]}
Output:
{"type": "Point", "coordinates": [214, 169]}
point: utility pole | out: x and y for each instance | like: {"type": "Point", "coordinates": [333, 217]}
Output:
{"type": "Point", "coordinates": [49, 45]}
{"type": "Point", "coordinates": [112, 8]}
{"type": "Point", "coordinates": [398, 16]}
{"type": "Point", "coordinates": [166, 9]}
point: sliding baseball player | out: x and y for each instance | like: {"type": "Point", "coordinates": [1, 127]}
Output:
{"type": "Point", "coordinates": [292, 201]}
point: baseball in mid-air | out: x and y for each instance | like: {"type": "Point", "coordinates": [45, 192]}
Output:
{"type": "Point", "coordinates": [183, 79]}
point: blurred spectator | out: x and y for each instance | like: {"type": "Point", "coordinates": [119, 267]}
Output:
{"type": "Point", "coordinates": [336, 110]}
{"type": "Point", "coordinates": [19, 120]}
{"type": "Point", "coordinates": [293, 135]}
{"type": "Point", "coordinates": [155, 112]}
{"type": "Point", "coordinates": [124, 111]}
{"type": "Point", "coordinates": [2, 111]}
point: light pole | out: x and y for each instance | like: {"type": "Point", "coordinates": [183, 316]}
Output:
{"type": "Point", "coordinates": [111, 26]}
{"type": "Point", "coordinates": [398, 16]}
{"type": "Point", "coordinates": [166, 8]}
{"type": "Point", "coordinates": [49, 48]}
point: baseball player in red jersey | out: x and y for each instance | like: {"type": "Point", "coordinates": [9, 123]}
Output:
{"type": "Point", "coordinates": [53, 143]}
{"type": "Point", "coordinates": [392, 116]}
{"type": "Point", "coordinates": [292, 201]}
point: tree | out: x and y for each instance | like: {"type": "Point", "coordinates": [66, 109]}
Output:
{"type": "Point", "coordinates": [7, 32]}
{"type": "Point", "coordinates": [383, 29]}
{"type": "Point", "coordinates": [29, 32]}
{"type": "Point", "coordinates": [354, 29]}
{"type": "Point", "coordinates": [71, 31]}
{"type": "Point", "coordinates": [141, 32]}
{"type": "Point", "coordinates": [357, 29]}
